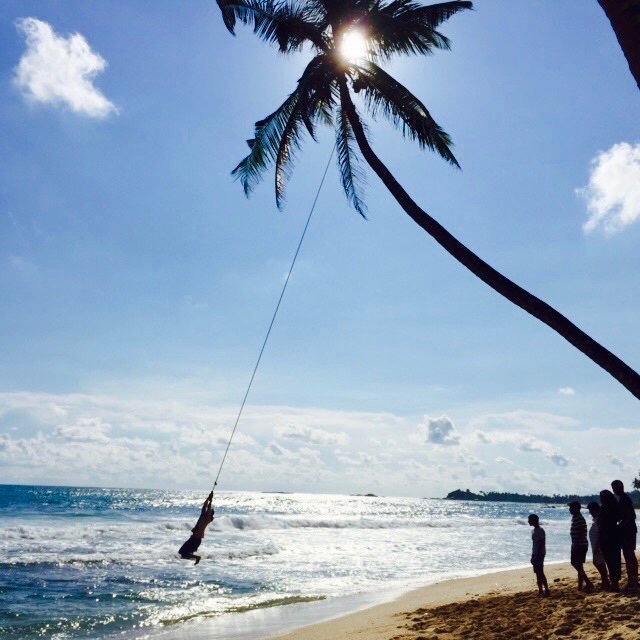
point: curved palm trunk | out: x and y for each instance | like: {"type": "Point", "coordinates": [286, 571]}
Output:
{"type": "Point", "coordinates": [624, 16]}
{"type": "Point", "coordinates": [505, 287]}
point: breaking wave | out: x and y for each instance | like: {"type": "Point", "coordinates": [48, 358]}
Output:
{"type": "Point", "coordinates": [263, 522]}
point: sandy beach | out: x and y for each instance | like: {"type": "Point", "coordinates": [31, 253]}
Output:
{"type": "Point", "coordinates": [497, 606]}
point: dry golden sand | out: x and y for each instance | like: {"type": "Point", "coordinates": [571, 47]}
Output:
{"type": "Point", "coordinates": [498, 606]}
{"type": "Point", "coordinates": [567, 613]}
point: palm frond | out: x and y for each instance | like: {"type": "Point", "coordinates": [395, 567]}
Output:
{"type": "Point", "coordinates": [435, 14]}
{"type": "Point", "coordinates": [284, 22]}
{"type": "Point", "coordinates": [384, 94]}
{"type": "Point", "coordinates": [242, 10]}
{"type": "Point", "coordinates": [264, 146]}
{"type": "Point", "coordinates": [316, 103]}
{"type": "Point", "coordinates": [289, 143]}
{"type": "Point", "coordinates": [407, 27]}
{"type": "Point", "coordinates": [279, 135]}
{"type": "Point", "coordinates": [351, 174]}
{"type": "Point", "coordinates": [316, 11]}
{"type": "Point", "coordinates": [336, 11]}
{"type": "Point", "coordinates": [321, 93]}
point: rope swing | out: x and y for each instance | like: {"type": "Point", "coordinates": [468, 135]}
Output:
{"type": "Point", "coordinates": [273, 319]}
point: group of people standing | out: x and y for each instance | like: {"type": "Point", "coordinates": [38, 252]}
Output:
{"type": "Point", "coordinates": [612, 533]}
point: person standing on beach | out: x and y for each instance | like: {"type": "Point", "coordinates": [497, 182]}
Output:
{"type": "Point", "coordinates": [188, 549]}
{"type": "Point", "coordinates": [594, 539]}
{"type": "Point", "coordinates": [627, 532]}
{"type": "Point", "coordinates": [579, 546]}
{"type": "Point", "coordinates": [609, 536]}
{"type": "Point", "coordinates": [538, 552]}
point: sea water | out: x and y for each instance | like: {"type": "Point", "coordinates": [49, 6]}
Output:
{"type": "Point", "coordinates": [96, 563]}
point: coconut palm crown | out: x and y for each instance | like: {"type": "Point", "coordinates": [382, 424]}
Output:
{"type": "Point", "coordinates": [390, 28]}
{"type": "Point", "coordinates": [324, 96]}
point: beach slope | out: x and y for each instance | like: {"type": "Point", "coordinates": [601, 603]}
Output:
{"type": "Point", "coordinates": [496, 606]}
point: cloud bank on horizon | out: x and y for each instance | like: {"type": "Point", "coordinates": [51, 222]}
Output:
{"type": "Point", "coordinates": [83, 439]}
{"type": "Point", "coordinates": [59, 71]}
{"type": "Point", "coordinates": [613, 192]}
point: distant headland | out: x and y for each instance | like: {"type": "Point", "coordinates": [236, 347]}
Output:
{"type": "Point", "coordinates": [498, 496]}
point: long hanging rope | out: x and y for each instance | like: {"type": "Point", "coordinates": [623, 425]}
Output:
{"type": "Point", "coordinates": [273, 318]}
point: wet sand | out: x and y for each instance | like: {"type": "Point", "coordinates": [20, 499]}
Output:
{"type": "Point", "coordinates": [496, 606]}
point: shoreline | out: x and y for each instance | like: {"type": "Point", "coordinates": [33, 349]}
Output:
{"type": "Point", "coordinates": [454, 602]}
{"type": "Point", "coordinates": [346, 617]}
{"type": "Point", "coordinates": [292, 621]}
{"type": "Point", "coordinates": [272, 622]}
{"type": "Point", "coordinates": [381, 619]}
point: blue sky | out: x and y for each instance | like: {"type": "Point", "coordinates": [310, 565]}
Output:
{"type": "Point", "coordinates": [137, 281]}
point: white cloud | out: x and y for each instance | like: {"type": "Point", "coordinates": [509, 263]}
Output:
{"type": "Point", "coordinates": [524, 443]}
{"type": "Point", "coordinates": [520, 420]}
{"type": "Point", "coordinates": [202, 435]}
{"type": "Point", "coordinates": [476, 467]}
{"type": "Point", "coordinates": [176, 438]}
{"type": "Point", "coordinates": [60, 70]}
{"type": "Point", "coordinates": [478, 471]}
{"type": "Point", "coordinates": [273, 448]}
{"type": "Point", "coordinates": [559, 459]}
{"type": "Point", "coordinates": [613, 192]}
{"type": "Point", "coordinates": [534, 445]}
{"type": "Point", "coordinates": [567, 391]}
{"type": "Point", "coordinates": [441, 431]}
{"type": "Point", "coordinates": [359, 459]}
{"type": "Point", "coordinates": [311, 435]}
{"type": "Point", "coordinates": [84, 430]}
{"type": "Point", "coordinates": [614, 460]}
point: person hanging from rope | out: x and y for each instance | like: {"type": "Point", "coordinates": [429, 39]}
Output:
{"type": "Point", "coordinates": [188, 549]}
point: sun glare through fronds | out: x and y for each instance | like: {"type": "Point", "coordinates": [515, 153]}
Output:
{"type": "Point", "coordinates": [354, 47]}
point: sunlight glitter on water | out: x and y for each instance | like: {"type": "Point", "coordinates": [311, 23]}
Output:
{"type": "Point", "coordinates": [95, 562]}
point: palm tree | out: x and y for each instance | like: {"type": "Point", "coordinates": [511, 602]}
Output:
{"type": "Point", "coordinates": [323, 95]}
{"type": "Point", "coordinates": [625, 21]}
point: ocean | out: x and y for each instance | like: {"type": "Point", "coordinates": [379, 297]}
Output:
{"type": "Point", "coordinates": [102, 563]}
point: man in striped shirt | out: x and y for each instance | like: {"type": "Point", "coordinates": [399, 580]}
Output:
{"type": "Point", "coordinates": [579, 546]}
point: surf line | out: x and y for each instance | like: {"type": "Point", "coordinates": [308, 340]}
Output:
{"type": "Point", "coordinates": [273, 318]}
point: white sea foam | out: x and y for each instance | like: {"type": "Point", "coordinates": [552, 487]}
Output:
{"type": "Point", "coordinates": [243, 523]}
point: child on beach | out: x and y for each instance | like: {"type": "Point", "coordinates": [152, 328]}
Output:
{"type": "Point", "coordinates": [538, 552]}
{"type": "Point", "coordinates": [579, 545]}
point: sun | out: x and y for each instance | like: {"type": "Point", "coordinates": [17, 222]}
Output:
{"type": "Point", "coordinates": [354, 46]}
